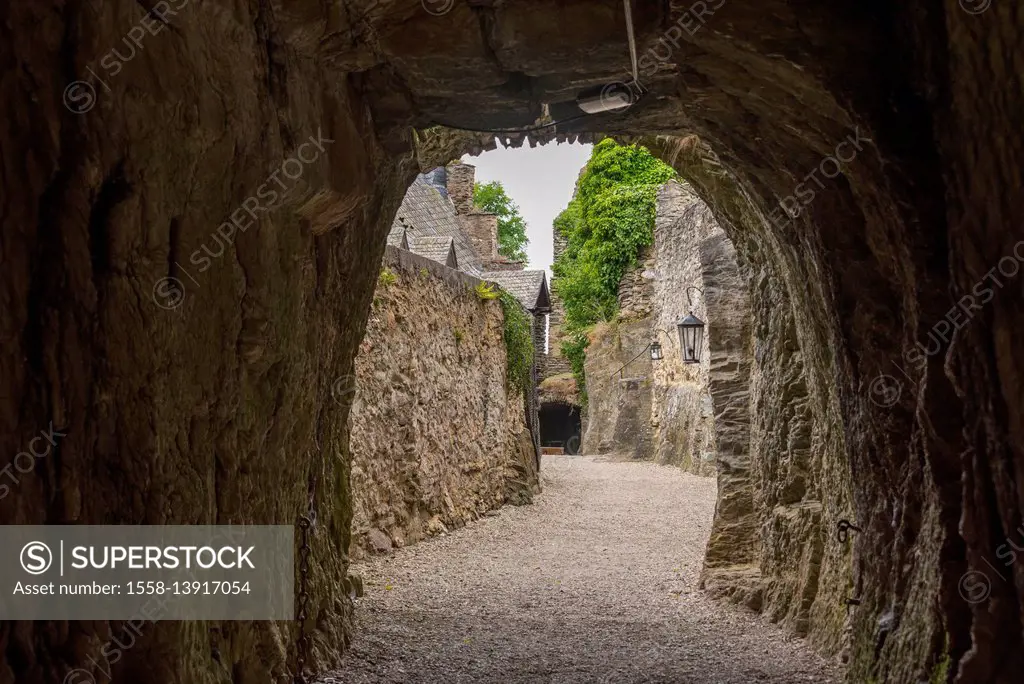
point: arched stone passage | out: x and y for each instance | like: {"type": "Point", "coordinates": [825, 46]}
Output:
{"type": "Point", "coordinates": [218, 406]}
{"type": "Point", "coordinates": [786, 482]}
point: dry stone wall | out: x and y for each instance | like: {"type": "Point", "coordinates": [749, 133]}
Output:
{"type": "Point", "coordinates": [438, 437]}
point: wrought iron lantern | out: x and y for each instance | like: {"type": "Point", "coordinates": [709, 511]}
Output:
{"type": "Point", "coordinates": [691, 333]}
{"type": "Point", "coordinates": [656, 354]}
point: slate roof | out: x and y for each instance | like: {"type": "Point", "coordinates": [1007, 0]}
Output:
{"type": "Point", "coordinates": [427, 224]}
{"type": "Point", "coordinates": [425, 212]}
{"type": "Point", "coordinates": [440, 249]}
{"type": "Point", "coordinates": [399, 238]}
{"type": "Point", "coordinates": [529, 287]}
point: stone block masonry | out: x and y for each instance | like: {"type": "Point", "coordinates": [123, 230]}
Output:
{"type": "Point", "coordinates": [553, 363]}
{"type": "Point", "coordinates": [438, 435]}
{"type": "Point", "coordinates": [460, 181]}
{"type": "Point", "coordinates": [482, 230]}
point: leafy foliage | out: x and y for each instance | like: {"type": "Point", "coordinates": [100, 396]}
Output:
{"type": "Point", "coordinates": [518, 343]}
{"type": "Point", "coordinates": [492, 198]}
{"type": "Point", "coordinates": [574, 349]}
{"type": "Point", "coordinates": [486, 291]}
{"type": "Point", "coordinates": [606, 225]}
{"type": "Point", "coordinates": [387, 277]}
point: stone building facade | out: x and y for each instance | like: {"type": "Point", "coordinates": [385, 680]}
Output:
{"type": "Point", "coordinates": [553, 363]}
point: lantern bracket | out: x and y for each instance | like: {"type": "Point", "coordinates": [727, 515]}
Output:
{"type": "Point", "coordinates": [619, 371]}
{"type": "Point", "coordinates": [666, 334]}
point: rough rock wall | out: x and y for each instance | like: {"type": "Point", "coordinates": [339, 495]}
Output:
{"type": "Point", "coordinates": [783, 479]}
{"type": "Point", "coordinates": [732, 560]}
{"type": "Point", "coordinates": [920, 225]}
{"type": "Point", "coordinates": [437, 436]}
{"type": "Point", "coordinates": [682, 413]}
{"type": "Point", "coordinates": [665, 412]}
{"type": "Point", "coordinates": [618, 415]}
{"type": "Point", "coordinates": [186, 275]}
{"type": "Point", "coordinates": [801, 485]}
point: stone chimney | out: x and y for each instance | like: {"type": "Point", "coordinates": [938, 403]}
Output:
{"type": "Point", "coordinates": [503, 264]}
{"type": "Point", "coordinates": [460, 187]}
{"type": "Point", "coordinates": [482, 230]}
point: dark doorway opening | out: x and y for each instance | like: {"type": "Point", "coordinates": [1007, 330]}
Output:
{"type": "Point", "coordinates": [560, 426]}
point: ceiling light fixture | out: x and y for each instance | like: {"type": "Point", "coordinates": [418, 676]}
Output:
{"type": "Point", "coordinates": [611, 97]}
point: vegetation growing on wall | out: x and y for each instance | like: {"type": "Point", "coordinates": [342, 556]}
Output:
{"type": "Point", "coordinates": [492, 198]}
{"type": "Point", "coordinates": [518, 343]}
{"type": "Point", "coordinates": [486, 291]}
{"type": "Point", "coordinates": [574, 349]}
{"type": "Point", "coordinates": [606, 225]}
{"type": "Point", "coordinates": [387, 277]}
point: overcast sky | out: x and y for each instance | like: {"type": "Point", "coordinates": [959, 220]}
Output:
{"type": "Point", "coordinates": [540, 180]}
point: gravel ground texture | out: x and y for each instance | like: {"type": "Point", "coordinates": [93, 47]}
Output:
{"type": "Point", "coordinates": [594, 582]}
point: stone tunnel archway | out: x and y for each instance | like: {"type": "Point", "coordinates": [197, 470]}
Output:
{"type": "Point", "coordinates": [560, 426]}
{"type": "Point", "coordinates": [200, 390]}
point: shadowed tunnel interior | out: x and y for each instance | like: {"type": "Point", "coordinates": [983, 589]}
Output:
{"type": "Point", "coordinates": [558, 424]}
{"type": "Point", "coordinates": [185, 330]}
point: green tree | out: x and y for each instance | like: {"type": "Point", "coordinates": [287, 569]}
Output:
{"type": "Point", "coordinates": [606, 225]}
{"type": "Point", "coordinates": [492, 198]}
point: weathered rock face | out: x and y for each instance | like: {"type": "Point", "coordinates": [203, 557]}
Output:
{"type": "Point", "coordinates": [438, 437]}
{"type": "Point", "coordinates": [189, 358]}
{"type": "Point", "coordinates": [682, 413]}
{"type": "Point", "coordinates": [618, 415]}
{"type": "Point", "coordinates": [780, 465]}
{"type": "Point", "coordinates": [664, 412]}
{"type": "Point", "coordinates": [220, 410]}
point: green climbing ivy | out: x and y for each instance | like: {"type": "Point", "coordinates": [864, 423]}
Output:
{"type": "Point", "coordinates": [606, 225]}
{"type": "Point", "coordinates": [574, 349]}
{"type": "Point", "coordinates": [518, 343]}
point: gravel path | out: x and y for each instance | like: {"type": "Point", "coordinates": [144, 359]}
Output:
{"type": "Point", "coordinates": [596, 582]}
